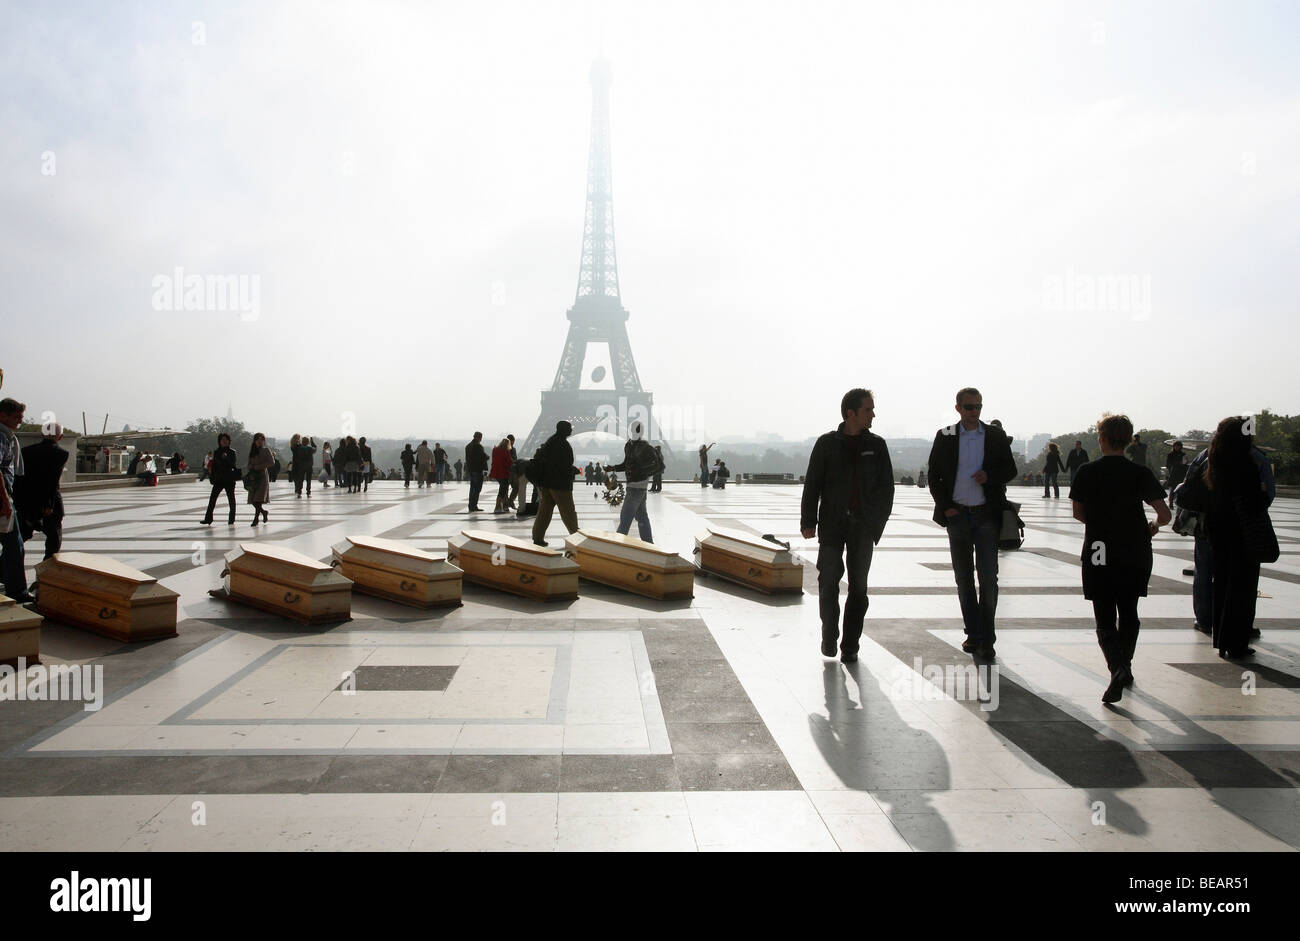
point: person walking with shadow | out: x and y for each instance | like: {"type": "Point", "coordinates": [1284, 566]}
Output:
{"type": "Point", "coordinates": [557, 472]}
{"type": "Point", "coordinates": [970, 465]}
{"type": "Point", "coordinates": [848, 494]}
{"type": "Point", "coordinates": [1107, 497]}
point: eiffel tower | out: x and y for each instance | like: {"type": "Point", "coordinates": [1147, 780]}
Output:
{"type": "Point", "coordinates": [586, 393]}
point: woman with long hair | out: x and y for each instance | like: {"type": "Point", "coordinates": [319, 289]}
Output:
{"type": "Point", "coordinates": [327, 463]}
{"type": "Point", "coordinates": [296, 474]}
{"type": "Point", "coordinates": [1052, 469]}
{"type": "Point", "coordinates": [223, 471]}
{"type": "Point", "coordinates": [500, 472]}
{"type": "Point", "coordinates": [1238, 500]}
{"type": "Point", "coordinates": [1108, 497]}
{"type": "Point", "coordinates": [341, 478]}
{"type": "Point", "coordinates": [260, 459]}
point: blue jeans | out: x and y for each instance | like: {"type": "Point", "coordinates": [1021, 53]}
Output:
{"type": "Point", "coordinates": [973, 546]}
{"type": "Point", "coordinates": [442, 469]}
{"type": "Point", "coordinates": [475, 485]}
{"type": "Point", "coordinates": [15, 574]}
{"type": "Point", "coordinates": [1049, 480]}
{"type": "Point", "coordinates": [1203, 583]}
{"type": "Point", "coordinates": [855, 537]}
{"type": "Point", "coordinates": [634, 506]}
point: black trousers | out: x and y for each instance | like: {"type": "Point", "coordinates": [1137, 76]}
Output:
{"type": "Point", "coordinates": [406, 475]}
{"type": "Point", "coordinates": [1117, 628]}
{"type": "Point", "coordinates": [853, 539]}
{"type": "Point", "coordinates": [1235, 591]}
{"type": "Point", "coordinates": [212, 500]}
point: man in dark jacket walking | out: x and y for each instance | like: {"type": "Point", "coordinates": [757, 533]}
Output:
{"type": "Point", "coordinates": [848, 494]}
{"type": "Point", "coordinates": [407, 457]}
{"type": "Point", "coordinates": [556, 483]}
{"type": "Point", "coordinates": [39, 498]}
{"type": "Point", "coordinates": [970, 466]}
{"type": "Point", "coordinates": [476, 462]}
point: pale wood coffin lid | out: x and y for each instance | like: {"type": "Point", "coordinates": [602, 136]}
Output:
{"type": "Point", "coordinates": [280, 554]}
{"type": "Point", "coordinates": [622, 548]}
{"type": "Point", "coordinates": [478, 542]}
{"type": "Point", "coordinates": [101, 565]}
{"type": "Point", "coordinates": [391, 546]}
{"type": "Point", "coordinates": [745, 545]}
{"type": "Point", "coordinates": [282, 566]}
{"type": "Point", "coordinates": [372, 553]}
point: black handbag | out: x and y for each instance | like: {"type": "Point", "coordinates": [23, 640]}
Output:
{"type": "Point", "coordinates": [1012, 535]}
{"type": "Point", "coordinates": [1257, 535]}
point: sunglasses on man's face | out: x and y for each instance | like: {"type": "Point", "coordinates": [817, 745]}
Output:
{"type": "Point", "coordinates": [973, 408]}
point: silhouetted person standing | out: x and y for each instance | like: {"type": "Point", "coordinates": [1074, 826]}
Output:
{"type": "Point", "coordinates": [11, 468]}
{"type": "Point", "coordinates": [224, 473]}
{"type": "Point", "coordinates": [1175, 466]}
{"type": "Point", "coordinates": [1238, 526]}
{"type": "Point", "coordinates": [1052, 470]}
{"type": "Point", "coordinates": [1107, 497]}
{"type": "Point", "coordinates": [459, 466]}
{"type": "Point", "coordinates": [1137, 451]}
{"type": "Point", "coordinates": [408, 464]}
{"type": "Point", "coordinates": [704, 463]}
{"type": "Point", "coordinates": [476, 462]}
{"type": "Point", "coordinates": [423, 465]}
{"type": "Point", "coordinates": [970, 465]}
{"type": "Point", "coordinates": [657, 483]}
{"type": "Point", "coordinates": [1076, 459]}
{"type": "Point", "coordinates": [848, 494]}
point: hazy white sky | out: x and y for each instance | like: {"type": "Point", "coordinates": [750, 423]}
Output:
{"type": "Point", "coordinates": [808, 196]}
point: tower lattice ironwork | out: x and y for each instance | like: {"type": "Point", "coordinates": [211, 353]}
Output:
{"type": "Point", "coordinates": [597, 315]}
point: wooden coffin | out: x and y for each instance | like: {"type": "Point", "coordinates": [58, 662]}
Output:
{"type": "Point", "coordinates": [521, 568]}
{"type": "Point", "coordinates": [104, 596]}
{"type": "Point", "coordinates": [390, 569]}
{"type": "Point", "coordinates": [20, 633]}
{"type": "Point", "coordinates": [623, 562]}
{"type": "Point", "coordinates": [287, 583]}
{"type": "Point", "coordinates": [748, 560]}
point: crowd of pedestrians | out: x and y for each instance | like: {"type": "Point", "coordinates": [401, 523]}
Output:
{"type": "Point", "coordinates": [1222, 497]}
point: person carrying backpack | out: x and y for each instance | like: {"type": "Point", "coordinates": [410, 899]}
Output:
{"type": "Point", "coordinates": [640, 464]}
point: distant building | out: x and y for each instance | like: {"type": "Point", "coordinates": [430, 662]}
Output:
{"type": "Point", "coordinates": [1035, 444]}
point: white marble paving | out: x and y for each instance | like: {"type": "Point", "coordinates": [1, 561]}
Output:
{"type": "Point", "coordinates": [879, 768]}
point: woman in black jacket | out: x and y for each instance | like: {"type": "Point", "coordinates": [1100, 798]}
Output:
{"type": "Point", "coordinates": [1051, 469]}
{"type": "Point", "coordinates": [223, 473]}
{"type": "Point", "coordinates": [1237, 497]}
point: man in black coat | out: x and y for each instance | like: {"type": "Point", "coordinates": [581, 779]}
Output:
{"type": "Point", "coordinates": [556, 483]}
{"type": "Point", "coordinates": [970, 466]}
{"type": "Point", "coordinates": [848, 494]}
{"type": "Point", "coordinates": [39, 499]}
{"type": "Point", "coordinates": [408, 463]}
{"type": "Point", "coordinates": [1076, 459]}
{"type": "Point", "coordinates": [476, 462]}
